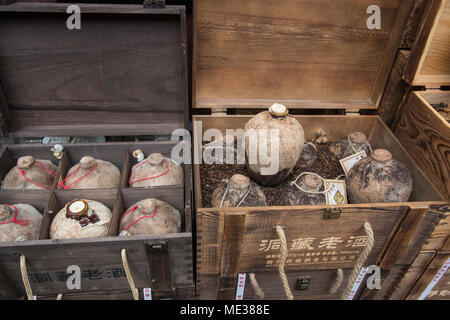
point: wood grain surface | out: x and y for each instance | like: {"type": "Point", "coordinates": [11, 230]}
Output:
{"type": "Point", "coordinates": [99, 79]}
{"type": "Point", "coordinates": [254, 53]}
{"type": "Point", "coordinates": [429, 64]}
{"type": "Point", "coordinates": [426, 135]}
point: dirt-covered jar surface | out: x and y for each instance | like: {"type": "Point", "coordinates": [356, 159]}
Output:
{"type": "Point", "coordinates": [30, 173]}
{"type": "Point", "coordinates": [291, 139]}
{"type": "Point", "coordinates": [150, 216]}
{"type": "Point", "coordinates": [81, 219]}
{"type": "Point", "coordinates": [355, 142]}
{"type": "Point", "coordinates": [19, 222]}
{"type": "Point", "coordinates": [156, 170]}
{"type": "Point", "coordinates": [91, 173]}
{"type": "Point", "coordinates": [307, 189]}
{"type": "Point", "coordinates": [238, 191]}
{"type": "Point", "coordinates": [379, 178]}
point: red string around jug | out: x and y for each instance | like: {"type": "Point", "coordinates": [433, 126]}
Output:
{"type": "Point", "coordinates": [136, 221]}
{"type": "Point", "coordinates": [82, 177]}
{"type": "Point", "coordinates": [14, 220]}
{"type": "Point", "coordinates": [160, 175]}
{"type": "Point", "coordinates": [22, 172]}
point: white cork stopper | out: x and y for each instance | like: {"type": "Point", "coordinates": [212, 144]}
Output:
{"type": "Point", "coordinates": [278, 110]}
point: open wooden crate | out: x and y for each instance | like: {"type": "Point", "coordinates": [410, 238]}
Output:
{"type": "Point", "coordinates": [123, 73]}
{"type": "Point", "coordinates": [426, 133]}
{"type": "Point", "coordinates": [306, 55]}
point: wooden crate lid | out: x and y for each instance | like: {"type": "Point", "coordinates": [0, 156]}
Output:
{"type": "Point", "coordinates": [429, 62]}
{"type": "Point", "coordinates": [123, 73]}
{"type": "Point", "coordinates": [305, 54]}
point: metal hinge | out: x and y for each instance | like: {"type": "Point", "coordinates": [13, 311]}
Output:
{"type": "Point", "coordinates": [219, 111]}
{"type": "Point", "coordinates": [302, 283]}
{"type": "Point", "coordinates": [154, 3]}
{"type": "Point", "coordinates": [352, 112]}
{"type": "Point", "coordinates": [332, 213]}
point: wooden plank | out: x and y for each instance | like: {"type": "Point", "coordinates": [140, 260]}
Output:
{"type": "Point", "coordinates": [406, 281]}
{"type": "Point", "coordinates": [390, 54]}
{"type": "Point", "coordinates": [233, 233]}
{"type": "Point", "coordinates": [260, 247]}
{"type": "Point", "coordinates": [288, 50]}
{"type": "Point", "coordinates": [403, 235]}
{"type": "Point", "coordinates": [131, 92]}
{"type": "Point", "coordinates": [395, 91]}
{"type": "Point", "coordinates": [429, 64]}
{"type": "Point", "coordinates": [413, 23]}
{"type": "Point", "coordinates": [426, 135]}
{"type": "Point", "coordinates": [428, 275]}
{"type": "Point", "coordinates": [159, 261]}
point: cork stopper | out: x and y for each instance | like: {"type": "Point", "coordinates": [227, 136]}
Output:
{"type": "Point", "coordinates": [87, 163]}
{"type": "Point", "coordinates": [155, 159]}
{"type": "Point", "coordinates": [147, 206]}
{"type": "Point", "coordinates": [5, 212]}
{"type": "Point", "coordinates": [77, 209]}
{"type": "Point", "coordinates": [278, 110]}
{"type": "Point", "coordinates": [240, 182]}
{"type": "Point", "coordinates": [25, 162]}
{"type": "Point", "coordinates": [312, 182]}
{"type": "Point", "coordinates": [357, 137]}
{"type": "Point", "coordinates": [381, 155]}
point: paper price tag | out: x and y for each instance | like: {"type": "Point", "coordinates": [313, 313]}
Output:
{"type": "Point", "coordinates": [337, 192]}
{"type": "Point", "coordinates": [357, 283]}
{"type": "Point", "coordinates": [348, 163]}
{"type": "Point", "coordinates": [147, 293]}
{"type": "Point", "coordinates": [240, 286]}
{"type": "Point", "coordinates": [435, 280]}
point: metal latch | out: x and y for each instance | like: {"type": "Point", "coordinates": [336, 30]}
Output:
{"type": "Point", "coordinates": [302, 283]}
{"type": "Point", "coordinates": [332, 213]}
{"type": "Point", "coordinates": [154, 3]}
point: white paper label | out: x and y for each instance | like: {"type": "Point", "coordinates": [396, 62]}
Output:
{"type": "Point", "coordinates": [147, 293]}
{"type": "Point", "coordinates": [337, 192]}
{"type": "Point", "coordinates": [240, 286]}
{"type": "Point", "coordinates": [348, 163]}
{"type": "Point", "coordinates": [435, 280]}
{"type": "Point", "coordinates": [357, 283]}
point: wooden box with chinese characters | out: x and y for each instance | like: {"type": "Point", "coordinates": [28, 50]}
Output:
{"type": "Point", "coordinates": [124, 73]}
{"type": "Point", "coordinates": [319, 56]}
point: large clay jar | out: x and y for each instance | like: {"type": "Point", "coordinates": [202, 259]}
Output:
{"type": "Point", "coordinates": [30, 174]}
{"type": "Point", "coordinates": [379, 178]}
{"type": "Point", "coordinates": [92, 173]}
{"type": "Point", "coordinates": [19, 222]}
{"type": "Point", "coordinates": [238, 191]}
{"type": "Point", "coordinates": [307, 189]}
{"type": "Point", "coordinates": [156, 170]}
{"type": "Point", "coordinates": [81, 219]}
{"type": "Point", "coordinates": [150, 216]}
{"type": "Point", "coordinates": [353, 143]}
{"type": "Point", "coordinates": [291, 142]}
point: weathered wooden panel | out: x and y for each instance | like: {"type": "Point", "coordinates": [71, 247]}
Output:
{"type": "Point", "coordinates": [426, 136]}
{"type": "Point", "coordinates": [441, 290]}
{"type": "Point", "coordinates": [98, 79]}
{"type": "Point", "coordinates": [254, 53]}
{"type": "Point", "coordinates": [429, 63]}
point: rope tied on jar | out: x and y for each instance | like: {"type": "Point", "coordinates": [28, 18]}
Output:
{"type": "Point", "coordinates": [360, 140]}
{"type": "Point", "coordinates": [27, 163]}
{"type": "Point", "coordinates": [310, 191]}
{"type": "Point", "coordinates": [240, 182]}
{"type": "Point", "coordinates": [158, 159]}
{"type": "Point", "coordinates": [337, 282]}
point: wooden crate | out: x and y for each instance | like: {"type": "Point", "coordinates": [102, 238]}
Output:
{"type": "Point", "coordinates": [253, 54]}
{"type": "Point", "coordinates": [426, 133]}
{"type": "Point", "coordinates": [123, 73]}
